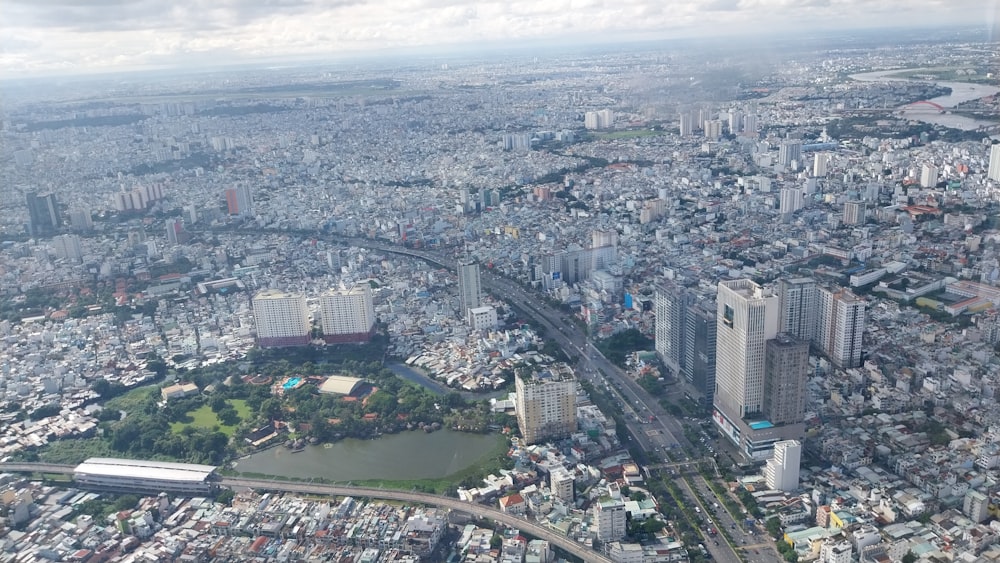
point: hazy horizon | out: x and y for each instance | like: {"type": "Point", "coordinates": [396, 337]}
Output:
{"type": "Point", "coordinates": [59, 37]}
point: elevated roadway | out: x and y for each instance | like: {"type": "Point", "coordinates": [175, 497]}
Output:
{"type": "Point", "coordinates": [582, 551]}
{"type": "Point", "coordinates": [663, 433]}
{"type": "Point", "coordinates": [54, 468]}
{"type": "Point", "coordinates": [579, 550]}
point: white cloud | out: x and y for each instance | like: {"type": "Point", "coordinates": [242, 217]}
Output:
{"type": "Point", "coordinates": [90, 35]}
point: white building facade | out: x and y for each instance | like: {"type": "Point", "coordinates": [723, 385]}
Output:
{"type": "Point", "coordinates": [282, 319]}
{"type": "Point", "coordinates": [347, 315]}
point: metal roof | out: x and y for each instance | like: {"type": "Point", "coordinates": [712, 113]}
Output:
{"type": "Point", "coordinates": [139, 469]}
{"type": "Point", "coordinates": [340, 384]}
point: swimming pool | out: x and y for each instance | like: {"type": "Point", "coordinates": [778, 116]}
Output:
{"type": "Point", "coordinates": [291, 383]}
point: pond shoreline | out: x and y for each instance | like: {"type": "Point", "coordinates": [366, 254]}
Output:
{"type": "Point", "coordinates": [408, 456]}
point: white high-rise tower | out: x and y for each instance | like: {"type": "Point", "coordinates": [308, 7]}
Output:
{"type": "Point", "coordinates": [747, 319]}
{"type": "Point", "coordinates": [782, 471]}
{"type": "Point", "coordinates": [282, 319]}
{"type": "Point", "coordinates": [468, 286]}
{"type": "Point", "coordinates": [347, 315]}
{"type": "Point", "coordinates": [928, 176]}
{"type": "Point", "coordinates": [798, 307]}
{"type": "Point", "coordinates": [746, 338]}
{"type": "Point", "coordinates": [546, 403]}
{"type": "Point", "coordinates": [819, 164]}
{"type": "Point", "coordinates": [840, 326]}
{"type": "Point", "coordinates": [994, 173]}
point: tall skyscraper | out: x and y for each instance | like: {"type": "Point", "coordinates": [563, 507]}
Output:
{"type": "Point", "coordinates": [670, 307]}
{"type": "Point", "coordinates": [603, 119]}
{"type": "Point", "coordinates": [786, 366]}
{"type": "Point", "coordinates": [840, 326]}
{"type": "Point", "coordinates": [791, 201]}
{"type": "Point", "coordinates": [713, 129]}
{"type": "Point", "coordinates": [239, 200]}
{"type": "Point", "coordinates": [282, 319]}
{"type": "Point", "coordinates": [798, 303]}
{"type": "Point", "coordinates": [347, 315]}
{"type": "Point", "coordinates": [994, 171]}
{"type": "Point", "coordinates": [175, 230]}
{"type": "Point", "coordinates": [735, 121]}
{"type": "Point", "coordinates": [928, 176]}
{"type": "Point", "coordinates": [698, 369]}
{"type": "Point", "coordinates": [190, 214]}
{"type": "Point", "coordinates": [516, 141]}
{"type": "Point", "coordinates": [80, 220]}
{"type": "Point", "coordinates": [747, 319]}
{"type": "Point", "coordinates": [782, 470]}
{"type": "Point", "coordinates": [854, 212]}
{"type": "Point", "coordinates": [68, 247]}
{"type": "Point", "coordinates": [686, 124]}
{"type": "Point", "coordinates": [43, 214]}
{"type": "Point", "coordinates": [790, 152]}
{"type": "Point", "coordinates": [820, 162]}
{"type": "Point", "coordinates": [603, 238]}
{"type": "Point", "coordinates": [546, 403]}
{"type": "Point", "coordinates": [468, 286]}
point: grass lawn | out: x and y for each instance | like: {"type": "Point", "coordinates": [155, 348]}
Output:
{"type": "Point", "coordinates": [75, 451]}
{"type": "Point", "coordinates": [203, 417]}
{"type": "Point", "coordinates": [133, 400]}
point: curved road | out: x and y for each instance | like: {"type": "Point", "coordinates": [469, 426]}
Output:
{"type": "Point", "coordinates": [664, 434]}
{"type": "Point", "coordinates": [579, 550]}
{"type": "Point", "coordinates": [582, 551]}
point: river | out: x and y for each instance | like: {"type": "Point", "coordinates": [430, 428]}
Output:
{"type": "Point", "coordinates": [960, 92]}
{"type": "Point", "coordinates": [405, 456]}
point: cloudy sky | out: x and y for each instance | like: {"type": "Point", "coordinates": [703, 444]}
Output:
{"type": "Point", "coordinates": [56, 36]}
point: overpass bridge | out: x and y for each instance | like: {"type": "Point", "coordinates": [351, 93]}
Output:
{"type": "Point", "coordinates": [572, 547]}
{"type": "Point", "coordinates": [582, 551]}
{"type": "Point", "coordinates": [56, 468]}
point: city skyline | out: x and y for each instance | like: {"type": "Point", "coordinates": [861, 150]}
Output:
{"type": "Point", "coordinates": [452, 276]}
{"type": "Point", "coordinates": [70, 37]}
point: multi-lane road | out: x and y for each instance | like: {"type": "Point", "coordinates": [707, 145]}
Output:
{"type": "Point", "coordinates": [663, 434]}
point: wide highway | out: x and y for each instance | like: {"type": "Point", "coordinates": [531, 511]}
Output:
{"type": "Point", "coordinates": [663, 434]}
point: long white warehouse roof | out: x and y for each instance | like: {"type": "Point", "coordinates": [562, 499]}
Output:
{"type": "Point", "coordinates": [138, 469]}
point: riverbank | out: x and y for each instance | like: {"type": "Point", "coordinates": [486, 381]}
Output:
{"type": "Point", "coordinates": [961, 92]}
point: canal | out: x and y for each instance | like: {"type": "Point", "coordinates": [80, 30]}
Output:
{"type": "Point", "coordinates": [420, 377]}
{"type": "Point", "coordinates": [405, 456]}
